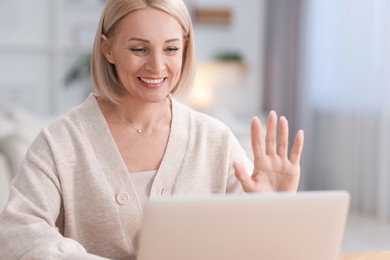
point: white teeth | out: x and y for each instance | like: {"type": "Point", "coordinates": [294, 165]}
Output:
{"type": "Point", "coordinates": [152, 81]}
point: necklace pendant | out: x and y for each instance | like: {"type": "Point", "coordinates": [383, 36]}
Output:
{"type": "Point", "coordinates": [139, 131]}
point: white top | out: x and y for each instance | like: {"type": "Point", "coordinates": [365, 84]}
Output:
{"type": "Point", "coordinates": [142, 182]}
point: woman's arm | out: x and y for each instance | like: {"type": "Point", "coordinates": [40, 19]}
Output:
{"type": "Point", "coordinates": [28, 228]}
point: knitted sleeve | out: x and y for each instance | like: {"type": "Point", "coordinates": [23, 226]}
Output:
{"type": "Point", "coordinates": [238, 154]}
{"type": "Point", "coordinates": [28, 227]}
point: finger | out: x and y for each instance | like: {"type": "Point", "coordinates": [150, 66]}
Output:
{"type": "Point", "coordinates": [283, 137]}
{"type": "Point", "coordinates": [256, 138]}
{"type": "Point", "coordinates": [241, 174]}
{"type": "Point", "coordinates": [270, 135]}
{"type": "Point", "coordinates": [296, 151]}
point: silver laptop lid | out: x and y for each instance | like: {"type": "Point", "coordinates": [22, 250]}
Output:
{"type": "Point", "coordinates": [275, 226]}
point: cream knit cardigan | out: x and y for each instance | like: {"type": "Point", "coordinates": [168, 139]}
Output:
{"type": "Point", "coordinates": [74, 199]}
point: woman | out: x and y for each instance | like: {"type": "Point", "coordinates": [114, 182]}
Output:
{"type": "Point", "coordinates": [82, 185]}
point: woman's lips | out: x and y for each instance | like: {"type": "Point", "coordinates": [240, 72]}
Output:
{"type": "Point", "coordinates": [152, 82]}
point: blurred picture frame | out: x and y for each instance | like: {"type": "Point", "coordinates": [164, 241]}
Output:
{"type": "Point", "coordinates": [211, 15]}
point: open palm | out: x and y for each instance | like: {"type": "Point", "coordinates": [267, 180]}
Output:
{"type": "Point", "coordinates": [273, 169]}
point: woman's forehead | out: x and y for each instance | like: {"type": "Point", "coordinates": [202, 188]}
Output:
{"type": "Point", "coordinates": [150, 24]}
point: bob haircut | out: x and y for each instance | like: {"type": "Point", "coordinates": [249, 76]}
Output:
{"type": "Point", "coordinates": [103, 73]}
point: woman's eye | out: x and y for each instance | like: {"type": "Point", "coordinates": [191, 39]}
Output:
{"type": "Point", "coordinates": [138, 50]}
{"type": "Point", "coordinates": [171, 50]}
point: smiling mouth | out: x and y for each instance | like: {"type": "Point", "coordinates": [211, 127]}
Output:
{"type": "Point", "coordinates": [152, 81]}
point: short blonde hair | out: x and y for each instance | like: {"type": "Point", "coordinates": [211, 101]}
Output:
{"type": "Point", "coordinates": [103, 74]}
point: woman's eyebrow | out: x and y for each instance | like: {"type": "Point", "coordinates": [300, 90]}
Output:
{"type": "Point", "coordinates": [146, 41]}
{"type": "Point", "coordinates": [137, 39]}
{"type": "Point", "coordinates": [173, 40]}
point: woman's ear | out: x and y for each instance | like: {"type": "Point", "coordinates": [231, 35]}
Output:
{"type": "Point", "coordinates": [106, 49]}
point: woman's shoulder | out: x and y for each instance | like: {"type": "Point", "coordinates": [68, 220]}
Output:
{"type": "Point", "coordinates": [76, 118]}
{"type": "Point", "coordinates": [208, 132]}
{"type": "Point", "coordinates": [198, 119]}
{"type": "Point", "coordinates": [78, 114]}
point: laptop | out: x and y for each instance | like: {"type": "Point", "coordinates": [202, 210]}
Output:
{"type": "Point", "coordinates": [274, 226]}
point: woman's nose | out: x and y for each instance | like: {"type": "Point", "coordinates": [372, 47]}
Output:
{"type": "Point", "coordinates": [155, 63]}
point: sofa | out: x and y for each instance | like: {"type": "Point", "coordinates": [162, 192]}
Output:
{"type": "Point", "coordinates": [18, 129]}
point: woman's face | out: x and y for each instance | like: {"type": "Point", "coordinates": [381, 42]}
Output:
{"type": "Point", "coordinates": [147, 51]}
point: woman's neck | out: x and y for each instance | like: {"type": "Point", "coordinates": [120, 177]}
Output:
{"type": "Point", "coordinates": [142, 115]}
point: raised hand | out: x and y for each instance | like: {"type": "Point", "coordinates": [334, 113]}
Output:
{"type": "Point", "coordinates": [273, 169]}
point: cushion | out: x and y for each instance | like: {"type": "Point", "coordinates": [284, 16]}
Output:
{"type": "Point", "coordinates": [26, 127]}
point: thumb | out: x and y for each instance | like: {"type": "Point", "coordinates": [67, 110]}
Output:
{"type": "Point", "coordinates": [241, 174]}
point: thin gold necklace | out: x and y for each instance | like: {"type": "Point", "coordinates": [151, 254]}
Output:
{"type": "Point", "coordinates": [139, 130]}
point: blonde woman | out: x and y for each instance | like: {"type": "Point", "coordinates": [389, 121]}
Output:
{"type": "Point", "coordinates": [82, 185]}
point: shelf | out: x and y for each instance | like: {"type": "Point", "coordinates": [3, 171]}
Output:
{"type": "Point", "coordinates": [66, 33]}
{"type": "Point", "coordinates": [23, 49]}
